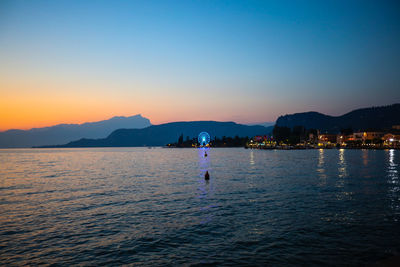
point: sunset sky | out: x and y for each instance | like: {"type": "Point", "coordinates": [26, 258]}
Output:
{"type": "Point", "coordinates": [243, 61]}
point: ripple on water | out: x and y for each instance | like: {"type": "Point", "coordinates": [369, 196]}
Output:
{"type": "Point", "coordinates": [116, 206]}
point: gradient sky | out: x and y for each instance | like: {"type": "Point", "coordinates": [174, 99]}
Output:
{"type": "Point", "coordinates": [243, 61]}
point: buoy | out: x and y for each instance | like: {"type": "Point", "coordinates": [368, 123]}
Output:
{"type": "Point", "coordinates": [207, 176]}
{"type": "Point", "coordinates": [205, 154]}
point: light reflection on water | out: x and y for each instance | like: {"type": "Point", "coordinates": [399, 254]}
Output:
{"type": "Point", "coordinates": [393, 180]}
{"type": "Point", "coordinates": [365, 156]}
{"type": "Point", "coordinates": [204, 166]}
{"type": "Point", "coordinates": [392, 167]}
{"type": "Point", "coordinates": [142, 206]}
{"type": "Point", "coordinates": [341, 181]}
{"type": "Point", "coordinates": [342, 164]}
{"type": "Point", "coordinates": [252, 162]}
{"type": "Point", "coordinates": [320, 167]}
{"type": "Point", "coordinates": [205, 186]}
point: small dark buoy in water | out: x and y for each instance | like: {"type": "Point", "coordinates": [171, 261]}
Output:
{"type": "Point", "coordinates": [205, 154]}
{"type": "Point", "coordinates": [207, 176]}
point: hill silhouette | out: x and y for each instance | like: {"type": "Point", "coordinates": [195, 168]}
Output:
{"type": "Point", "coordinates": [64, 133]}
{"type": "Point", "coordinates": [160, 135]}
{"type": "Point", "coordinates": [361, 119]}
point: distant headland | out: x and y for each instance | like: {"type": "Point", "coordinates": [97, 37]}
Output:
{"type": "Point", "coordinates": [375, 128]}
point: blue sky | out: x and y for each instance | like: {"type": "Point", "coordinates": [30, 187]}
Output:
{"type": "Point", "coordinates": [244, 61]}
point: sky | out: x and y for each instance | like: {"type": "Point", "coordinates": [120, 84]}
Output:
{"type": "Point", "coordinates": [243, 61]}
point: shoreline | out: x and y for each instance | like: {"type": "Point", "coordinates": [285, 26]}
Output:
{"type": "Point", "coordinates": [245, 147]}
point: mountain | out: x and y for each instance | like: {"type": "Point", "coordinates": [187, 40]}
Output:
{"type": "Point", "coordinates": [64, 133]}
{"type": "Point", "coordinates": [265, 124]}
{"type": "Point", "coordinates": [361, 119]}
{"type": "Point", "coordinates": [160, 135]}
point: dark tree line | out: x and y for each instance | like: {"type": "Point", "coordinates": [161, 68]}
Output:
{"type": "Point", "coordinates": [230, 142]}
{"type": "Point", "coordinates": [216, 142]}
{"type": "Point", "coordinates": [292, 136]}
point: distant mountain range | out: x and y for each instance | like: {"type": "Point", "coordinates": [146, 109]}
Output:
{"type": "Point", "coordinates": [64, 133]}
{"type": "Point", "coordinates": [137, 130]}
{"type": "Point", "coordinates": [160, 135]}
{"type": "Point", "coordinates": [361, 119]}
{"type": "Point", "coordinates": [265, 124]}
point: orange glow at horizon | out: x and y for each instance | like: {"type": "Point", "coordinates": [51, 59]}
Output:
{"type": "Point", "coordinates": [36, 112]}
{"type": "Point", "coordinates": [39, 103]}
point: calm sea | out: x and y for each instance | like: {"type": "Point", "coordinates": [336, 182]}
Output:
{"type": "Point", "coordinates": [140, 206]}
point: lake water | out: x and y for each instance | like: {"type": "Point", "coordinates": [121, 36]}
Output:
{"type": "Point", "coordinates": [143, 206]}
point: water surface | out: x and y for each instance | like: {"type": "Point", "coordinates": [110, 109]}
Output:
{"type": "Point", "coordinates": [145, 206]}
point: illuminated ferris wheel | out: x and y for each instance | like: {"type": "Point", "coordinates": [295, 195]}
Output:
{"type": "Point", "coordinates": [203, 138]}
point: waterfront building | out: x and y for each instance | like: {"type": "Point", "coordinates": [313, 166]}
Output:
{"type": "Point", "coordinates": [327, 139]}
{"type": "Point", "coordinates": [343, 139]}
{"type": "Point", "coordinates": [367, 136]}
{"type": "Point", "coordinates": [365, 139]}
{"type": "Point", "coordinates": [358, 136]}
{"type": "Point", "coordinates": [370, 136]}
{"type": "Point", "coordinates": [391, 140]}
